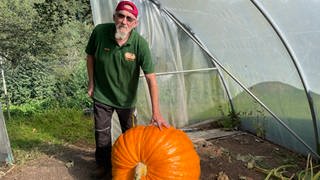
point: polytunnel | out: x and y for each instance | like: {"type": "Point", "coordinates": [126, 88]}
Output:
{"type": "Point", "coordinates": [257, 59]}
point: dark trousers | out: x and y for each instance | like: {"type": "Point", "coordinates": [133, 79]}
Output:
{"type": "Point", "coordinates": [102, 122]}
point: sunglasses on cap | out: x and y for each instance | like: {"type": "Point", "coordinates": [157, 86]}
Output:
{"type": "Point", "coordinates": [122, 16]}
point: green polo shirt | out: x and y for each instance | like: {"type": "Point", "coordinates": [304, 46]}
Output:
{"type": "Point", "coordinates": [117, 68]}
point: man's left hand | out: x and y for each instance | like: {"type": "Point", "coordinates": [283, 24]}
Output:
{"type": "Point", "coordinates": [159, 121]}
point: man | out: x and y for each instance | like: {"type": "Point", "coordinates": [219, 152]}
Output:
{"type": "Point", "coordinates": [115, 54]}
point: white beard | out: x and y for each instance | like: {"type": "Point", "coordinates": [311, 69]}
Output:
{"type": "Point", "coordinates": [121, 35]}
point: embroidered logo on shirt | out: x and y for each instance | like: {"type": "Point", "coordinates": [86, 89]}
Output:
{"type": "Point", "coordinates": [129, 56]}
{"type": "Point", "coordinates": [107, 49]}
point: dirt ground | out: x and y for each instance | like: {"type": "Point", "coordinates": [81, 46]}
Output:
{"type": "Point", "coordinates": [232, 157]}
{"type": "Point", "coordinates": [245, 157]}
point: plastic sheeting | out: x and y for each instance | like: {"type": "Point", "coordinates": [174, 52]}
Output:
{"type": "Point", "coordinates": [264, 51]}
{"type": "Point", "coordinates": [5, 148]}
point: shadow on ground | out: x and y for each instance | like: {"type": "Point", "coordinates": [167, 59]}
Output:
{"type": "Point", "coordinates": [68, 162]}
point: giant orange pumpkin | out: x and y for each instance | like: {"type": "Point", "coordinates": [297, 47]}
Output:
{"type": "Point", "coordinates": [146, 152]}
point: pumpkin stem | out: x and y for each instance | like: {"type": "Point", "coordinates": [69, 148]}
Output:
{"type": "Point", "coordinates": [140, 171]}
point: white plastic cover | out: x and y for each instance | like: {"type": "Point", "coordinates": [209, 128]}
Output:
{"type": "Point", "coordinates": [270, 47]}
{"type": "Point", "coordinates": [6, 156]}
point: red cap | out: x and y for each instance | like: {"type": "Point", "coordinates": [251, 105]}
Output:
{"type": "Point", "coordinates": [122, 6]}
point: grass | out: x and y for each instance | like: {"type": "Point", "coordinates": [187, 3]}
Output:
{"type": "Point", "coordinates": [47, 132]}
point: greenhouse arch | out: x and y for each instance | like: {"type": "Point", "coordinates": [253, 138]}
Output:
{"type": "Point", "coordinates": [254, 58]}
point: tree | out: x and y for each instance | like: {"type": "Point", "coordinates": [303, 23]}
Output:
{"type": "Point", "coordinates": [28, 27]}
{"type": "Point", "coordinates": [18, 39]}
{"type": "Point", "coordinates": [42, 42]}
{"type": "Point", "coordinates": [56, 13]}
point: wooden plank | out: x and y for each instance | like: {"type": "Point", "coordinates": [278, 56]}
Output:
{"type": "Point", "coordinates": [209, 134]}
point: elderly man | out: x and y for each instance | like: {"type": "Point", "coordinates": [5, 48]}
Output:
{"type": "Point", "coordinates": [115, 54]}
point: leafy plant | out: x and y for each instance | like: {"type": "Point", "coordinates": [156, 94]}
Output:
{"type": "Point", "coordinates": [56, 13]}
{"type": "Point", "coordinates": [44, 66]}
{"type": "Point", "coordinates": [232, 120]}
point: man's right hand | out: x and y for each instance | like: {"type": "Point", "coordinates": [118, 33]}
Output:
{"type": "Point", "coordinates": [90, 90]}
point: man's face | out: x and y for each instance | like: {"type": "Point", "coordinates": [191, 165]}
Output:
{"type": "Point", "coordinates": [125, 22]}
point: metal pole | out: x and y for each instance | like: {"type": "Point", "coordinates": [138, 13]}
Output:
{"type": "Point", "coordinates": [183, 72]}
{"type": "Point", "coordinates": [295, 61]}
{"type": "Point", "coordinates": [5, 90]}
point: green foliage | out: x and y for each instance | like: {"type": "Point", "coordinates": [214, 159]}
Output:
{"type": "Point", "coordinates": [56, 13]}
{"type": "Point", "coordinates": [27, 109]}
{"type": "Point", "coordinates": [71, 89]}
{"type": "Point", "coordinates": [29, 81]}
{"type": "Point", "coordinates": [18, 40]}
{"type": "Point", "coordinates": [42, 47]}
{"type": "Point", "coordinates": [47, 132]}
{"type": "Point", "coordinates": [231, 121]}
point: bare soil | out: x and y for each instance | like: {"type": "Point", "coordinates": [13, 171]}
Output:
{"type": "Point", "coordinates": [246, 157]}
{"type": "Point", "coordinates": [239, 156]}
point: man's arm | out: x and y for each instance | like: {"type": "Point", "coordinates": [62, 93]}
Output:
{"type": "Point", "coordinates": [90, 62]}
{"type": "Point", "coordinates": [157, 119]}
